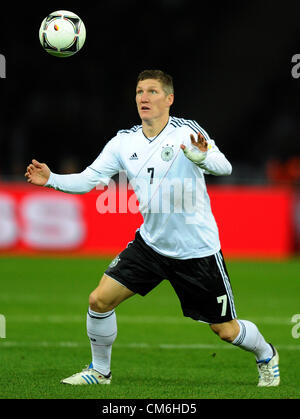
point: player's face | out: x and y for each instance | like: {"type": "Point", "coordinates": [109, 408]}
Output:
{"type": "Point", "coordinates": [152, 102]}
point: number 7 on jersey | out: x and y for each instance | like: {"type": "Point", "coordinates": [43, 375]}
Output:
{"type": "Point", "coordinates": [223, 299]}
{"type": "Point", "coordinates": [151, 170]}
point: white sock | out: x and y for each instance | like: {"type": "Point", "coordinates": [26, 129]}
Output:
{"type": "Point", "coordinates": [250, 339]}
{"type": "Point", "coordinates": [102, 332]}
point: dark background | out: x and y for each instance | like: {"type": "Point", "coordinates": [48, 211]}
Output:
{"type": "Point", "coordinates": [230, 61]}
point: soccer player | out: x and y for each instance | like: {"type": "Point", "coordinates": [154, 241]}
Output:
{"type": "Point", "coordinates": [165, 159]}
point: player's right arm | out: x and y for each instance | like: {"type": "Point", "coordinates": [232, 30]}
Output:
{"type": "Point", "coordinates": [77, 183]}
{"type": "Point", "coordinates": [100, 171]}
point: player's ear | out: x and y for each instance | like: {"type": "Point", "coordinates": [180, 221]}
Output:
{"type": "Point", "coordinates": [170, 98]}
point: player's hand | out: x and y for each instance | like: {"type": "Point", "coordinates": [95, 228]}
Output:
{"type": "Point", "coordinates": [196, 156]}
{"type": "Point", "coordinates": [37, 173]}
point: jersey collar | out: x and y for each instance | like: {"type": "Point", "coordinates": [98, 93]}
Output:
{"type": "Point", "coordinates": [150, 140]}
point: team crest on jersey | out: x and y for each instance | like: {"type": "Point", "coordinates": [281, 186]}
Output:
{"type": "Point", "coordinates": [114, 262]}
{"type": "Point", "coordinates": [167, 152]}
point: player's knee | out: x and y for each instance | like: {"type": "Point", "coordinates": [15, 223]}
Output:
{"type": "Point", "coordinates": [226, 335]}
{"type": "Point", "coordinates": [97, 303]}
{"type": "Point", "coordinates": [225, 332]}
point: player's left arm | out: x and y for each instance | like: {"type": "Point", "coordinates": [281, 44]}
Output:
{"type": "Point", "coordinates": [205, 154]}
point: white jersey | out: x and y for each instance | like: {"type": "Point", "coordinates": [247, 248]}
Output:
{"type": "Point", "coordinates": [171, 190]}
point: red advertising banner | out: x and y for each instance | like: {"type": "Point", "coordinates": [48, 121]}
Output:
{"type": "Point", "coordinates": [253, 221]}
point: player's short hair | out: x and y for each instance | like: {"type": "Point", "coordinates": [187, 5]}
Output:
{"type": "Point", "coordinates": [165, 79]}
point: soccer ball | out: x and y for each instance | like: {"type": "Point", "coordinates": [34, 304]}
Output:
{"type": "Point", "coordinates": [62, 33]}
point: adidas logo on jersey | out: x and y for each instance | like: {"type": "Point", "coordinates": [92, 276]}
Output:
{"type": "Point", "coordinates": [133, 157]}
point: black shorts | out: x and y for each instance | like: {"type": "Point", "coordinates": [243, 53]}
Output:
{"type": "Point", "coordinates": [201, 284]}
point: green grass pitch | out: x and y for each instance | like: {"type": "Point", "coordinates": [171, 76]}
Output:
{"type": "Point", "coordinates": [158, 353]}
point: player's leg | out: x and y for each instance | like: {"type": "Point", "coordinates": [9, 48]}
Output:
{"type": "Point", "coordinates": [101, 320]}
{"type": "Point", "coordinates": [245, 335]}
{"type": "Point", "coordinates": [129, 273]}
{"type": "Point", "coordinates": [101, 326]}
{"type": "Point", "coordinates": [108, 295]}
{"type": "Point", "coordinates": [226, 331]}
{"type": "Point", "coordinates": [205, 293]}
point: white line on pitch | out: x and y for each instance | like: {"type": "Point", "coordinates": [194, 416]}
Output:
{"type": "Point", "coordinates": [70, 344]}
{"type": "Point", "coordinates": [134, 319]}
